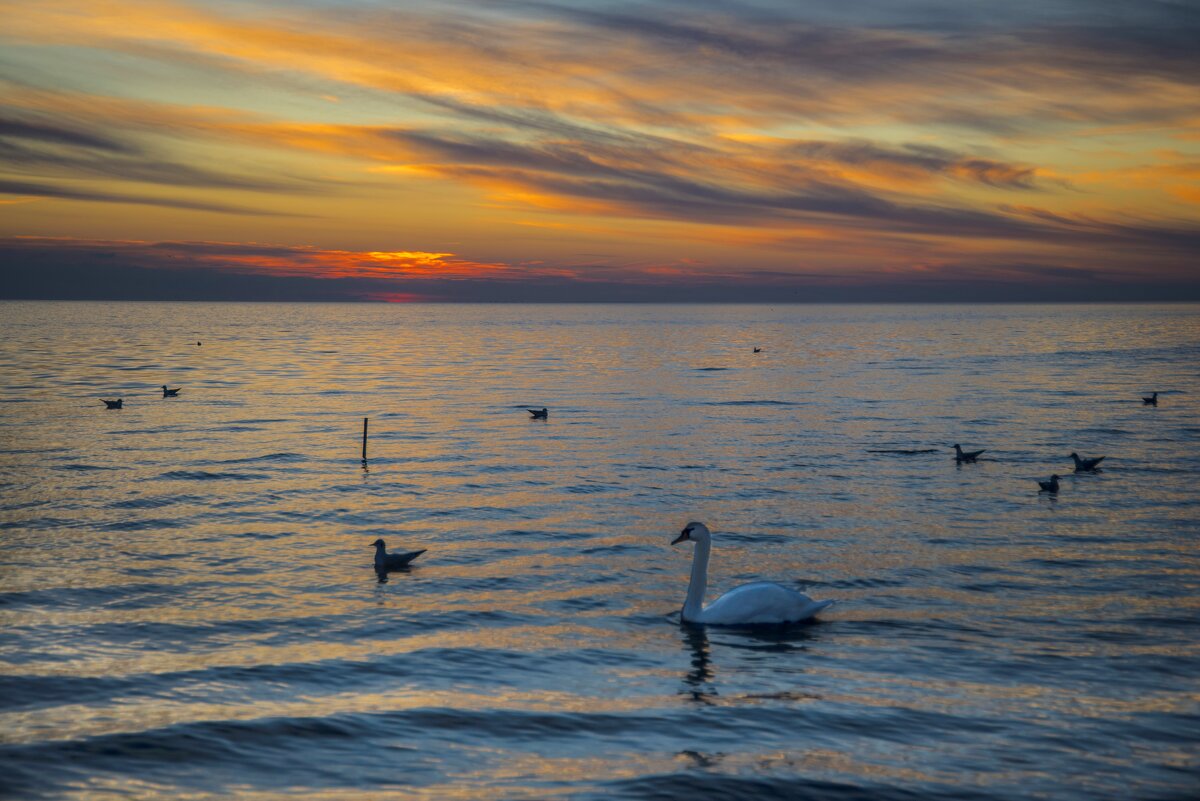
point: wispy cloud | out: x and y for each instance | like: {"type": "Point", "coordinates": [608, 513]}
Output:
{"type": "Point", "coordinates": [756, 140]}
{"type": "Point", "coordinates": [33, 189]}
{"type": "Point", "coordinates": [59, 135]}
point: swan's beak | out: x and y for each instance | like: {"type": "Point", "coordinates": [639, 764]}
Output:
{"type": "Point", "coordinates": [683, 535]}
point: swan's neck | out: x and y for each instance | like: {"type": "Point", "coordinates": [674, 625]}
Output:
{"type": "Point", "coordinates": [699, 582]}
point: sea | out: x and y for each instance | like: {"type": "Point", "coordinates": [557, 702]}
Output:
{"type": "Point", "coordinates": [188, 606]}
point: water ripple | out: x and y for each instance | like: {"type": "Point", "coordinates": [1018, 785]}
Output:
{"type": "Point", "coordinates": [188, 606]}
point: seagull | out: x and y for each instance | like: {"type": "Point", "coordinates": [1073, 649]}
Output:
{"type": "Point", "coordinates": [197, 343]}
{"type": "Point", "coordinates": [965, 456]}
{"type": "Point", "coordinates": [1152, 400]}
{"type": "Point", "coordinates": [1086, 465]}
{"type": "Point", "coordinates": [758, 350]}
{"type": "Point", "coordinates": [385, 561]}
{"type": "Point", "coordinates": [170, 393]}
{"type": "Point", "coordinates": [543, 414]}
{"type": "Point", "coordinates": [1049, 486]}
{"type": "Point", "coordinates": [112, 404]}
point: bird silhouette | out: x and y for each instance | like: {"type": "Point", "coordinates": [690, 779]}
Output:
{"type": "Point", "coordinates": [1152, 400]}
{"type": "Point", "coordinates": [1086, 465]}
{"type": "Point", "coordinates": [965, 456]}
{"type": "Point", "coordinates": [1049, 486]}
{"type": "Point", "coordinates": [385, 561]}
{"type": "Point", "coordinates": [170, 393]}
{"type": "Point", "coordinates": [113, 404]}
{"type": "Point", "coordinates": [539, 414]}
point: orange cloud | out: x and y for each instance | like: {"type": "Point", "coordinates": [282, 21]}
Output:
{"type": "Point", "coordinates": [785, 145]}
{"type": "Point", "coordinates": [301, 261]}
{"type": "Point", "coordinates": [287, 260]}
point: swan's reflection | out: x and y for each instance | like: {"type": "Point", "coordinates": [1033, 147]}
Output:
{"type": "Point", "coordinates": [698, 679]}
{"type": "Point", "coordinates": [775, 639]}
{"type": "Point", "coordinates": [758, 645]}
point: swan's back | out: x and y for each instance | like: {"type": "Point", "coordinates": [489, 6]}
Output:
{"type": "Point", "coordinates": [758, 603]}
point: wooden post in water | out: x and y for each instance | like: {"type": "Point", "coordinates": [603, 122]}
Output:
{"type": "Point", "coordinates": [364, 440]}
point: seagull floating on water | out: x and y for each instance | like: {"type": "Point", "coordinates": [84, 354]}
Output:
{"type": "Point", "coordinates": [1086, 465]}
{"type": "Point", "coordinates": [1152, 400]}
{"type": "Point", "coordinates": [758, 350]}
{"type": "Point", "coordinates": [170, 393]}
{"type": "Point", "coordinates": [759, 603]}
{"type": "Point", "coordinates": [539, 414]}
{"type": "Point", "coordinates": [113, 404]}
{"type": "Point", "coordinates": [385, 561]}
{"type": "Point", "coordinates": [965, 456]}
{"type": "Point", "coordinates": [1049, 486]}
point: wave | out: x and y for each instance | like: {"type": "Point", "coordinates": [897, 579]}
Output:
{"type": "Point", "coordinates": [269, 457]}
{"type": "Point", "coordinates": [204, 475]}
{"type": "Point", "coordinates": [752, 403]}
{"type": "Point", "coordinates": [708, 783]}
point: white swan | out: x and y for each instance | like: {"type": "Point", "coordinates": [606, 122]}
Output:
{"type": "Point", "coordinates": [760, 603]}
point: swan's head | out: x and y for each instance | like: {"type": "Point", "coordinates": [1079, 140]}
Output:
{"type": "Point", "coordinates": [693, 531]}
{"type": "Point", "coordinates": [378, 543]}
{"type": "Point", "coordinates": [1054, 477]}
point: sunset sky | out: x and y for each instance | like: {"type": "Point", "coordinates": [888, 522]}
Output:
{"type": "Point", "coordinates": [592, 150]}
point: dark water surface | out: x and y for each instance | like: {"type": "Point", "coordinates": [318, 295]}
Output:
{"type": "Point", "coordinates": [188, 609]}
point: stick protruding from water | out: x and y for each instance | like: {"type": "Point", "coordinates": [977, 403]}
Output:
{"type": "Point", "coordinates": [364, 456]}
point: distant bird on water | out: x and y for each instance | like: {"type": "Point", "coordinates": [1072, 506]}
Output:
{"type": "Point", "coordinates": [1086, 465]}
{"type": "Point", "coordinates": [385, 561]}
{"type": "Point", "coordinates": [1152, 400]}
{"type": "Point", "coordinates": [170, 393]}
{"type": "Point", "coordinates": [1049, 486]}
{"type": "Point", "coordinates": [758, 350]}
{"type": "Point", "coordinates": [542, 414]}
{"type": "Point", "coordinates": [197, 343]}
{"type": "Point", "coordinates": [965, 456]}
{"type": "Point", "coordinates": [113, 404]}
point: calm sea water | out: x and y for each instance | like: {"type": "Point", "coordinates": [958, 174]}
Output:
{"type": "Point", "coordinates": [188, 607]}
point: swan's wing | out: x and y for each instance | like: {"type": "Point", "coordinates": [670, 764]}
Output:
{"type": "Point", "coordinates": [759, 603]}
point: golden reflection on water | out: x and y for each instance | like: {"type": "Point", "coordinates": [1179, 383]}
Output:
{"type": "Point", "coordinates": [177, 541]}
